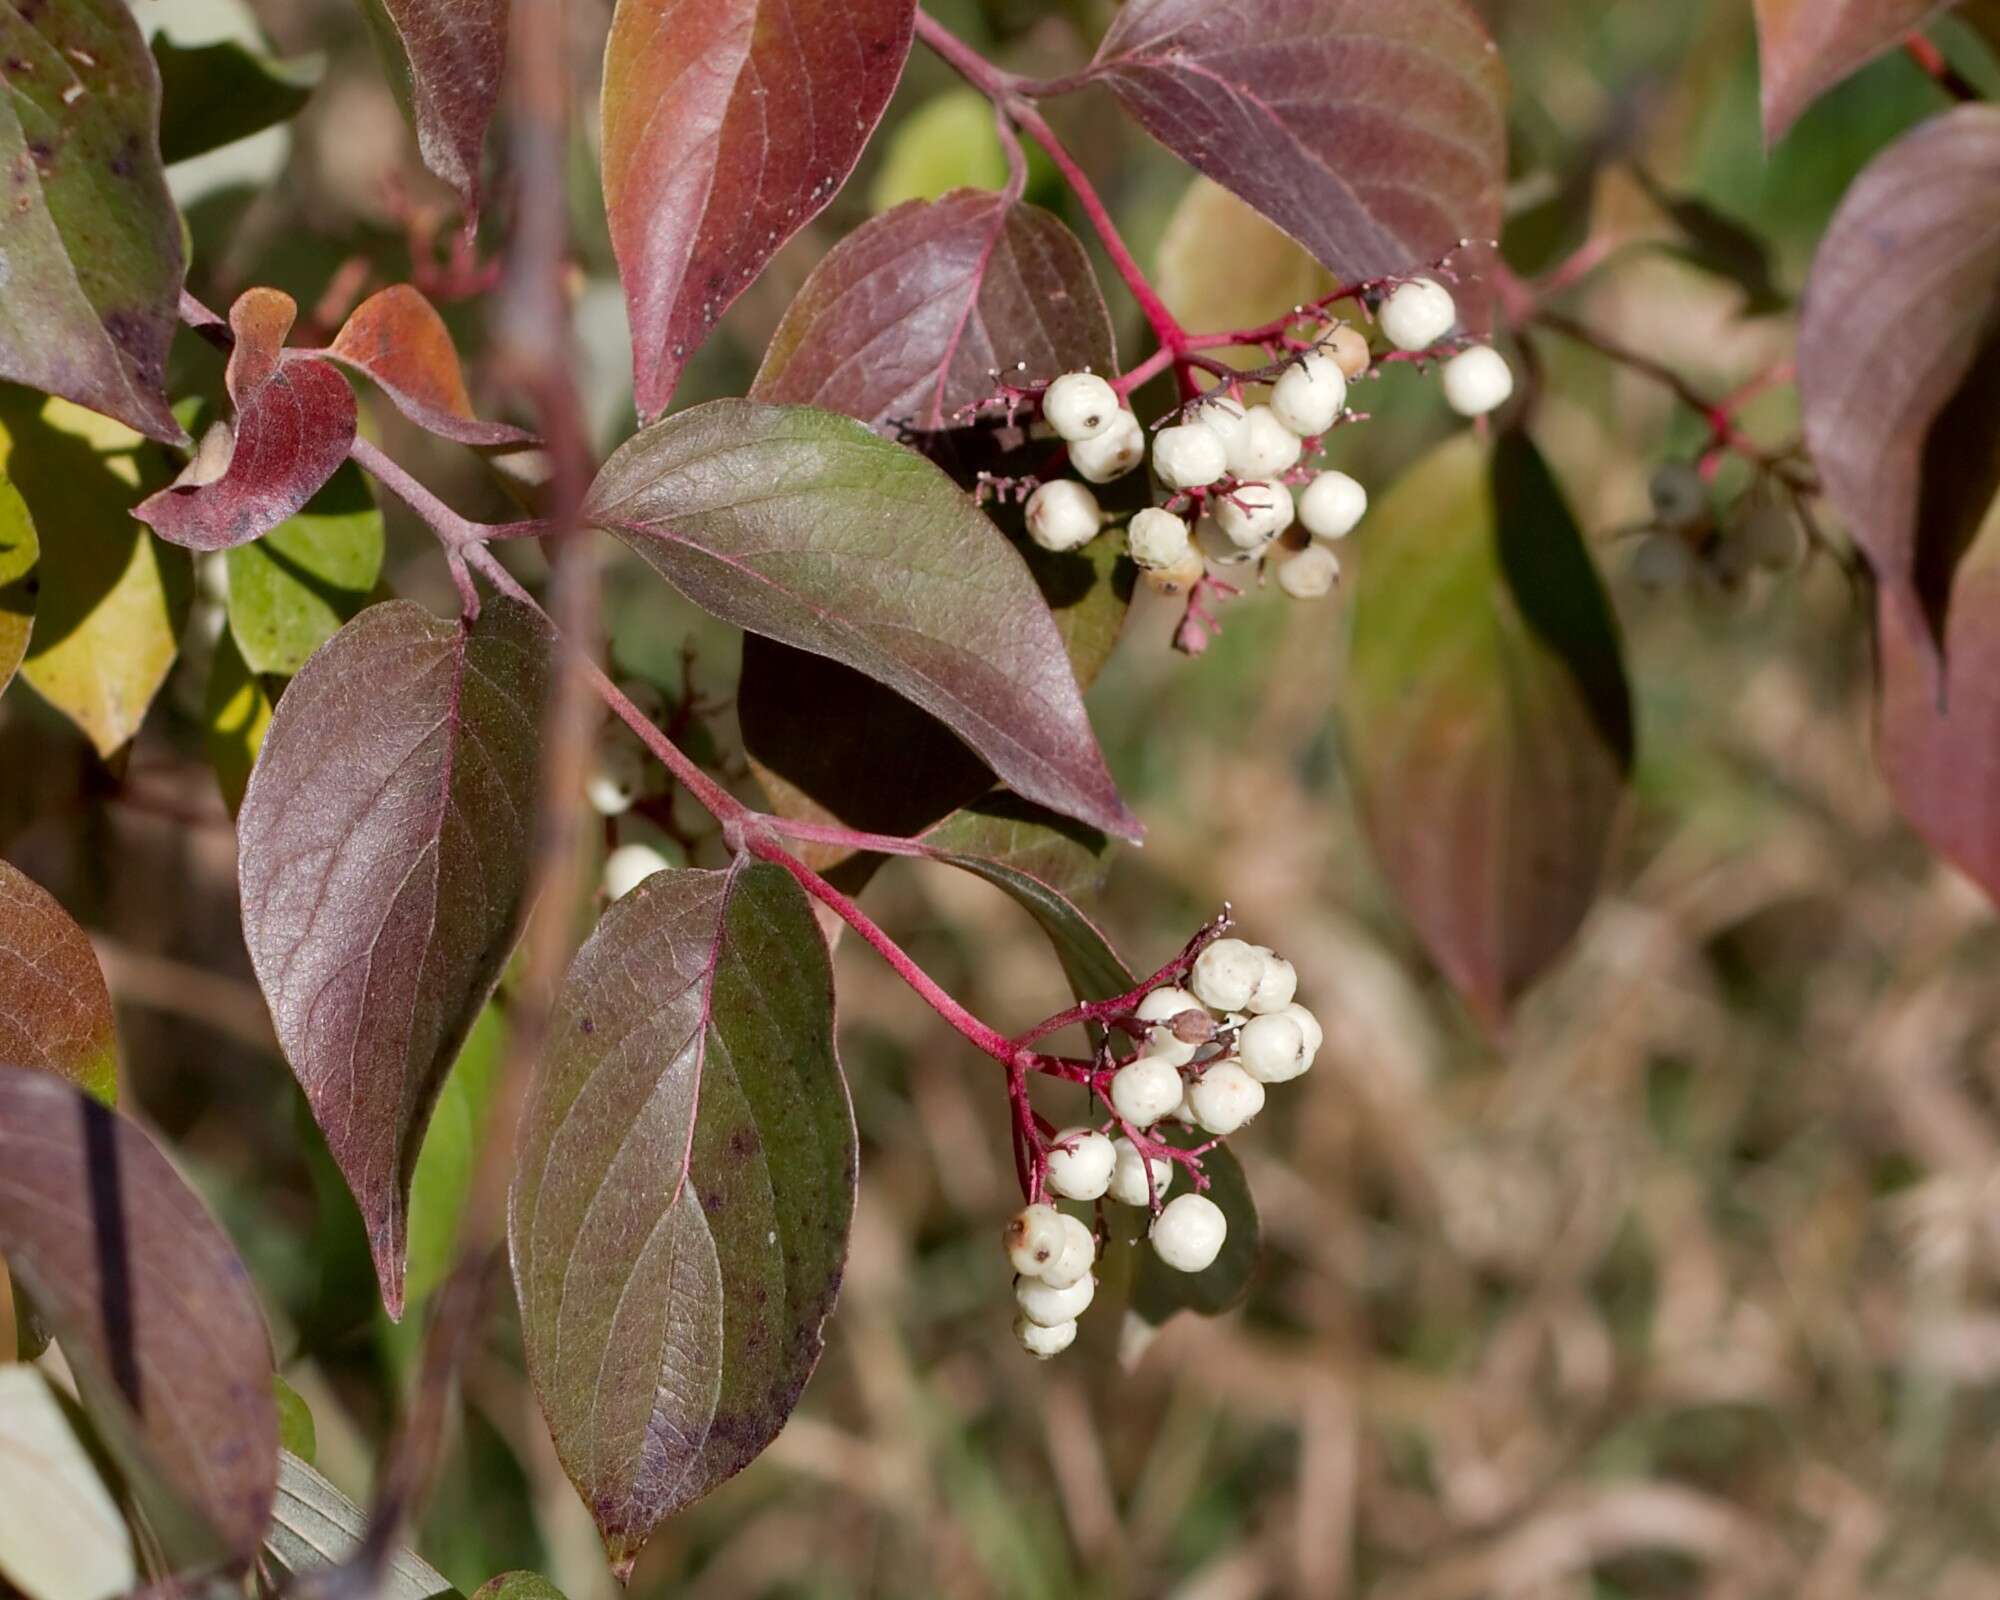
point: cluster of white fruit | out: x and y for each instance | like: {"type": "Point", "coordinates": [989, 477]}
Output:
{"type": "Point", "coordinates": [620, 777]}
{"type": "Point", "coordinates": [1228, 469]}
{"type": "Point", "coordinates": [1690, 537]}
{"type": "Point", "coordinates": [1207, 1053]}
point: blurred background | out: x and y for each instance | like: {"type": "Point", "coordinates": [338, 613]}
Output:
{"type": "Point", "coordinates": [1686, 1286]}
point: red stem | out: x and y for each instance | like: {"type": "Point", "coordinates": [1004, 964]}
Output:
{"type": "Point", "coordinates": [1931, 61]}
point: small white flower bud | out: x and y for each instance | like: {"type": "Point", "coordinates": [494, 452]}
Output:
{"type": "Point", "coordinates": [1311, 574]}
{"type": "Point", "coordinates": [1226, 974]}
{"type": "Point", "coordinates": [1040, 1342]}
{"type": "Point", "coordinates": [1047, 1306]}
{"type": "Point", "coordinates": [1033, 1239]}
{"type": "Point", "coordinates": [1190, 455]}
{"type": "Point", "coordinates": [1157, 539]}
{"type": "Point", "coordinates": [1188, 1234]}
{"type": "Point", "coordinates": [1145, 1090]}
{"type": "Point", "coordinates": [1417, 314]}
{"type": "Point", "coordinates": [1331, 505]}
{"type": "Point", "coordinates": [1080, 405]}
{"type": "Point", "coordinates": [1224, 1097]}
{"type": "Point", "coordinates": [629, 866]}
{"type": "Point", "coordinates": [1477, 381]}
{"type": "Point", "coordinates": [1080, 1164]}
{"type": "Point", "coordinates": [1128, 1175]}
{"type": "Point", "coordinates": [1063, 515]}
{"type": "Point", "coordinates": [1113, 453]}
{"type": "Point", "coordinates": [1263, 446]}
{"type": "Point", "coordinates": [1310, 395]}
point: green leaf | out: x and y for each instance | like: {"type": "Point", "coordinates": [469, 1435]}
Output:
{"type": "Point", "coordinates": [679, 1216]}
{"type": "Point", "coordinates": [19, 551]}
{"type": "Point", "coordinates": [297, 1432]}
{"type": "Point", "coordinates": [236, 714]}
{"type": "Point", "coordinates": [110, 600]}
{"type": "Point", "coordinates": [314, 1527]}
{"type": "Point", "coordinates": [949, 142]}
{"type": "Point", "coordinates": [1158, 1291]}
{"type": "Point", "coordinates": [290, 591]}
{"type": "Point", "coordinates": [809, 529]}
{"type": "Point", "coordinates": [517, 1586]}
{"type": "Point", "coordinates": [1718, 244]}
{"type": "Point", "coordinates": [55, 1012]}
{"type": "Point", "coordinates": [62, 1537]}
{"type": "Point", "coordinates": [90, 243]}
{"type": "Point", "coordinates": [443, 1176]}
{"type": "Point", "coordinates": [215, 94]}
{"type": "Point", "coordinates": [154, 1311]}
{"type": "Point", "coordinates": [1486, 716]}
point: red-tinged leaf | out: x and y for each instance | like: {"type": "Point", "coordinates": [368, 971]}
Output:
{"type": "Point", "coordinates": [383, 853]}
{"type": "Point", "coordinates": [90, 244]}
{"type": "Point", "coordinates": [728, 126]}
{"type": "Point", "coordinates": [1939, 737]}
{"type": "Point", "coordinates": [1372, 131]}
{"type": "Point", "coordinates": [397, 338]}
{"type": "Point", "coordinates": [295, 418]}
{"type": "Point", "coordinates": [807, 528]}
{"type": "Point", "coordinates": [445, 61]}
{"type": "Point", "coordinates": [1485, 715]}
{"type": "Point", "coordinates": [1805, 47]}
{"type": "Point", "coordinates": [55, 1013]}
{"type": "Point", "coordinates": [1897, 354]}
{"type": "Point", "coordinates": [155, 1313]}
{"type": "Point", "coordinates": [908, 318]}
{"type": "Point", "coordinates": [679, 1218]}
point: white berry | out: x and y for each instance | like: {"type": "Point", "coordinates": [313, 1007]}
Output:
{"type": "Point", "coordinates": [1263, 446]}
{"type": "Point", "coordinates": [1188, 1234]}
{"type": "Point", "coordinates": [1275, 987]}
{"type": "Point", "coordinates": [1417, 314]}
{"type": "Point", "coordinates": [1157, 539]}
{"type": "Point", "coordinates": [1311, 574]}
{"type": "Point", "coordinates": [1179, 578]}
{"type": "Point", "coordinates": [1063, 515]}
{"type": "Point", "coordinates": [1477, 381]}
{"type": "Point", "coordinates": [1033, 1239]}
{"type": "Point", "coordinates": [1080, 1164]}
{"type": "Point", "coordinates": [618, 779]}
{"type": "Point", "coordinates": [1224, 415]}
{"type": "Point", "coordinates": [1128, 1175]}
{"type": "Point", "coordinates": [1332, 504]}
{"type": "Point", "coordinates": [1273, 1048]}
{"type": "Point", "coordinates": [1315, 1034]}
{"type": "Point", "coordinates": [1224, 1097]}
{"type": "Point", "coordinates": [1074, 1259]}
{"type": "Point", "coordinates": [1310, 395]}
{"type": "Point", "coordinates": [1160, 1008]}
{"type": "Point", "coordinates": [1255, 513]}
{"type": "Point", "coordinates": [1047, 1306]}
{"type": "Point", "coordinates": [629, 866]}
{"type": "Point", "coordinates": [1113, 453]}
{"type": "Point", "coordinates": [1040, 1342]}
{"type": "Point", "coordinates": [1190, 455]}
{"type": "Point", "coordinates": [1680, 498]}
{"type": "Point", "coordinates": [1226, 974]}
{"type": "Point", "coordinates": [1080, 405]}
{"type": "Point", "coordinates": [1145, 1090]}
{"type": "Point", "coordinates": [1213, 544]}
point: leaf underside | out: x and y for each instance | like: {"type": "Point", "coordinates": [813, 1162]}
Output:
{"type": "Point", "coordinates": [679, 1217]}
{"type": "Point", "coordinates": [446, 59]}
{"type": "Point", "coordinates": [1805, 47]}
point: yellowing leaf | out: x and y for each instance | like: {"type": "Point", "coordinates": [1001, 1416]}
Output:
{"type": "Point", "coordinates": [1221, 265]}
{"type": "Point", "coordinates": [234, 717]}
{"type": "Point", "coordinates": [19, 550]}
{"type": "Point", "coordinates": [110, 599]}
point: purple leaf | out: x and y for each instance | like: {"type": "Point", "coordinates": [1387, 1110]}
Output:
{"type": "Point", "coordinates": [1805, 47]}
{"type": "Point", "coordinates": [55, 1013]}
{"type": "Point", "coordinates": [728, 126]}
{"type": "Point", "coordinates": [446, 59]}
{"type": "Point", "coordinates": [906, 320]}
{"type": "Point", "coordinates": [90, 244]}
{"type": "Point", "coordinates": [807, 528]}
{"type": "Point", "coordinates": [156, 1315]}
{"type": "Point", "coordinates": [397, 338]}
{"type": "Point", "coordinates": [1372, 131]}
{"type": "Point", "coordinates": [1486, 716]}
{"type": "Point", "coordinates": [383, 853]}
{"type": "Point", "coordinates": [295, 419]}
{"type": "Point", "coordinates": [679, 1217]}
{"type": "Point", "coordinates": [1897, 354]}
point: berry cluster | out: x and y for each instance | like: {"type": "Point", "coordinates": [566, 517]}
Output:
{"type": "Point", "coordinates": [1228, 470]}
{"type": "Point", "coordinates": [1205, 1054]}
{"type": "Point", "coordinates": [1691, 539]}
